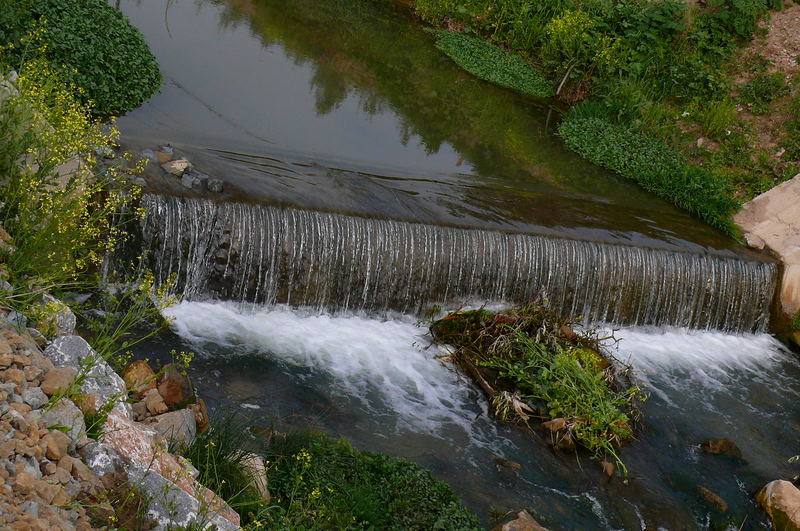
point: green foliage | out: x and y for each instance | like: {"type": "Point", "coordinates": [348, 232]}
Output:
{"type": "Point", "coordinates": [319, 483]}
{"type": "Point", "coordinates": [762, 90]}
{"type": "Point", "coordinates": [91, 45]}
{"type": "Point", "coordinates": [655, 166]}
{"type": "Point", "coordinates": [494, 64]}
{"type": "Point", "coordinates": [529, 359]}
{"type": "Point", "coordinates": [791, 141]}
{"type": "Point", "coordinates": [322, 483]}
{"type": "Point", "coordinates": [717, 117]}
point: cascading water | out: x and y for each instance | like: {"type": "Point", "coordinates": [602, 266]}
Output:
{"type": "Point", "coordinates": [270, 255]}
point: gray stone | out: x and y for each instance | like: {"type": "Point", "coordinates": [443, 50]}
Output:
{"type": "Point", "coordinates": [170, 506]}
{"type": "Point", "coordinates": [31, 508]}
{"type": "Point", "coordinates": [149, 155]}
{"type": "Point", "coordinates": [8, 466]}
{"type": "Point", "coordinates": [17, 319]}
{"type": "Point", "coordinates": [166, 149]}
{"type": "Point", "coordinates": [177, 426]}
{"type": "Point", "coordinates": [215, 185]}
{"type": "Point", "coordinates": [34, 397]}
{"type": "Point", "coordinates": [65, 413]}
{"type": "Point", "coordinates": [63, 320]}
{"type": "Point", "coordinates": [5, 286]}
{"type": "Point", "coordinates": [101, 380]}
{"type": "Point", "coordinates": [191, 181]}
{"type": "Point", "coordinates": [29, 465]}
{"type": "Point", "coordinates": [102, 459]}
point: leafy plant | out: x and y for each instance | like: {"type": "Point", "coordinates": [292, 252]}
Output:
{"type": "Point", "coordinates": [655, 166]}
{"type": "Point", "coordinates": [91, 45]}
{"type": "Point", "coordinates": [494, 64]}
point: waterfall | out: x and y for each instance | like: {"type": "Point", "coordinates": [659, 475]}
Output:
{"type": "Point", "coordinates": [271, 255]}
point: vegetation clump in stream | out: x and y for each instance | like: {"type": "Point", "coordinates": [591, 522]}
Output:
{"type": "Point", "coordinates": [534, 367]}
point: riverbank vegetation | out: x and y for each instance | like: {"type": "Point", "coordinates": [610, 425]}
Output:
{"type": "Point", "coordinates": [317, 482]}
{"type": "Point", "coordinates": [534, 367]}
{"type": "Point", "coordinates": [90, 45]}
{"type": "Point", "coordinates": [682, 82]}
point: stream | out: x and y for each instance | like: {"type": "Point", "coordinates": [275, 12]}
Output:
{"type": "Point", "coordinates": [371, 182]}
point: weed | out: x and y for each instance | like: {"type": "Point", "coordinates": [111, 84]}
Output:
{"type": "Point", "coordinates": [762, 90]}
{"type": "Point", "coordinates": [716, 118]}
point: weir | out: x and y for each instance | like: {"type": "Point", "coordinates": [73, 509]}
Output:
{"type": "Point", "coordinates": [270, 255]}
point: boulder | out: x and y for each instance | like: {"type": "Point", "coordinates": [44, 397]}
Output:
{"type": "Point", "coordinates": [177, 167]}
{"type": "Point", "coordinates": [34, 397]}
{"type": "Point", "coordinates": [101, 380]}
{"type": "Point", "coordinates": [201, 417]}
{"type": "Point", "coordinates": [215, 185]}
{"type": "Point", "coordinates": [58, 379]}
{"type": "Point", "coordinates": [721, 447]}
{"type": "Point", "coordinates": [139, 377]}
{"type": "Point", "coordinates": [176, 426]}
{"type": "Point", "coordinates": [66, 415]}
{"type": "Point", "coordinates": [175, 387]}
{"type": "Point", "coordinates": [154, 402]}
{"type": "Point", "coordinates": [258, 475]}
{"type": "Point", "coordinates": [523, 521]}
{"type": "Point", "coordinates": [781, 500]}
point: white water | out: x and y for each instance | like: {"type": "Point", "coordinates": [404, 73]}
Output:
{"type": "Point", "coordinates": [391, 363]}
{"type": "Point", "coordinates": [364, 357]}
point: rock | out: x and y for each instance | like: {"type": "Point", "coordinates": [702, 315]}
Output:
{"type": "Point", "coordinates": [568, 332]}
{"type": "Point", "coordinates": [713, 499]}
{"type": "Point", "coordinates": [171, 507]}
{"type": "Point", "coordinates": [150, 155]}
{"type": "Point", "coordinates": [215, 185]}
{"type": "Point", "coordinates": [175, 387]}
{"type": "Point", "coordinates": [200, 414]}
{"type": "Point", "coordinates": [139, 377]}
{"type": "Point", "coordinates": [102, 459]}
{"type": "Point", "coordinates": [34, 397]}
{"type": "Point", "coordinates": [755, 241]}
{"type": "Point", "coordinates": [64, 413]}
{"type": "Point", "coordinates": [194, 180]}
{"type": "Point", "coordinates": [166, 149]}
{"type": "Point", "coordinates": [522, 522]}
{"type": "Point", "coordinates": [721, 447]}
{"type": "Point", "coordinates": [177, 426]}
{"type": "Point", "coordinates": [86, 402]}
{"type": "Point", "coordinates": [506, 463]}
{"type": "Point", "coordinates": [608, 468]}
{"type": "Point", "coordinates": [781, 500]}
{"type": "Point", "coordinates": [139, 410]}
{"type": "Point", "coordinates": [59, 319]}
{"type": "Point", "coordinates": [154, 402]}
{"type": "Point", "coordinates": [101, 380]}
{"type": "Point", "coordinates": [59, 379]}
{"type": "Point", "coordinates": [258, 473]}
{"type": "Point", "coordinates": [162, 157]}
{"type": "Point", "coordinates": [177, 167]}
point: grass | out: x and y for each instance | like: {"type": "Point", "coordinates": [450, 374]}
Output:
{"type": "Point", "coordinates": [532, 365]}
{"type": "Point", "coordinates": [318, 482]}
{"type": "Point", "coordinates": [762, 90]}
{"type": "Point", "coordinates": [491, 63]}
{"type": "Point", "coordinates": [655, 166]}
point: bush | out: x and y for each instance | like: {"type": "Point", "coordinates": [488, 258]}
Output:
{"type": "Point", "coordinates": [655, 166]}
{"type": "Point", "coordinates": [488, 62]}
{"type": "Point", "coordinates": [91, 45]}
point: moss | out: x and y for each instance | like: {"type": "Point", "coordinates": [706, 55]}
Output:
{"type": "Point", "coordinates": [492, 63]}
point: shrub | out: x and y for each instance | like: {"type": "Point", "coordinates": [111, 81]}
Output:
{"type": "Point", "coordinates": [491, 63]}
{"type": "Point", "coordinates": [91, 45]}
{"type": "Point", "coordinates": [654, 165]}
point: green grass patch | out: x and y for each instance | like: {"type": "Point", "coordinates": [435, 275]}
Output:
{"type": "Point", "coordinates": [762, 90]}
{"type": "Point", "coordinates": [653, 164]}
{"type": "Point", "coordinates": [91, 44]}
{"type": "Point", "coordinates": [491, 63]}
{"type": "Point", "coordinates": [320, 483]}
{"type": "Point", "coordinates": [533, 366]}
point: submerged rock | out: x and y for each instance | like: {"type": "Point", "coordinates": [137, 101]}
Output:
{"type": "Point", "coordinates": [713, 498]}
{"type": "Point", "coordinates": [721, 447]}
{"type": "Point", "coordinates": [781, 500]}
{"type": "Point", "coordinates": [523, 521]}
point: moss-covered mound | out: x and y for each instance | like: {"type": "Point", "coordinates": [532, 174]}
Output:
{"type": "Point", "coordinates": [90, 43]}
{"type": "Point", "coordinates": [534, 367]}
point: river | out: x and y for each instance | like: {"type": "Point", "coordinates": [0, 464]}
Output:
{"type": "Point", "coordinates": [345, 108]}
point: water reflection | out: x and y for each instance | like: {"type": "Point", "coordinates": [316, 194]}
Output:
{"type": "Point", "coordinates": [379, 122]}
